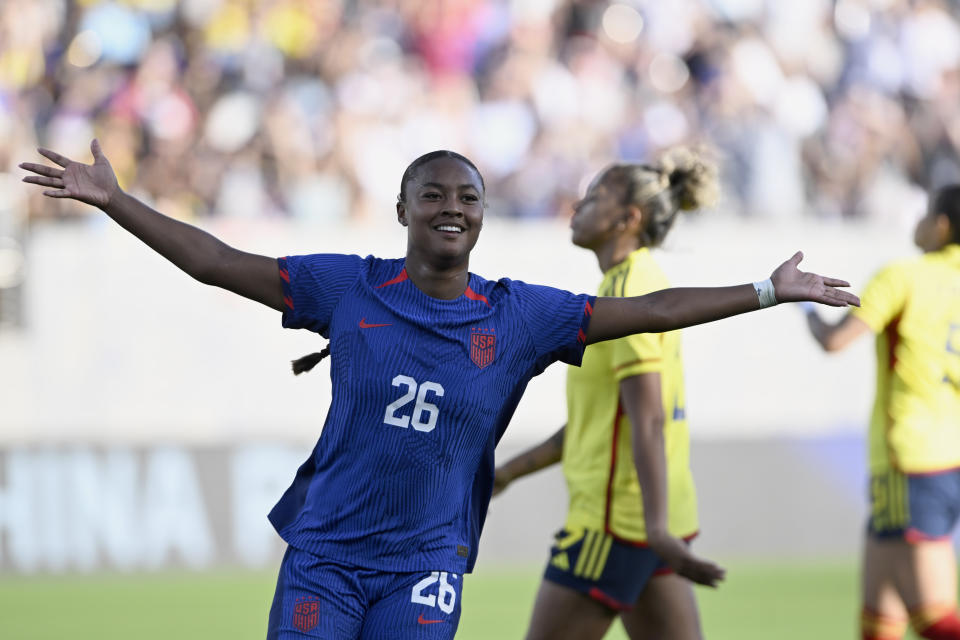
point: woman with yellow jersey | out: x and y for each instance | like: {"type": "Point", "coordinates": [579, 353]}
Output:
{"type": "Point", "coordinates": [913, 307]}
{"type": "Point", "coordinates": [626, 430]}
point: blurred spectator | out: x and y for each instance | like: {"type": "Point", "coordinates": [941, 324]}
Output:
{"type": "Point", "coordinates": [311, 108]}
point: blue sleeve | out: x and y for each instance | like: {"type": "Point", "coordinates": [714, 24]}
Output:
{"type": "Point", "coordinates": [312, 286]}
{"type": "Point", "coordinates": [557, 321]}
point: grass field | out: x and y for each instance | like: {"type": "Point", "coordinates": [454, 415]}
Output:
{"type": "Point", "coordinates": [786, 603]}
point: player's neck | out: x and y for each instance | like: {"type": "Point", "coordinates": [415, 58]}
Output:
{"type": "Point", "coordinates": [616, 250]}
{"type": "Point", "coordinates": [443, 281]}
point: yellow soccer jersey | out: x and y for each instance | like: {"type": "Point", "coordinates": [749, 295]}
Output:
{"type": "Point", "coordinates": [914, 308]}
{"type": "Point", "coordinates": [597, 447]}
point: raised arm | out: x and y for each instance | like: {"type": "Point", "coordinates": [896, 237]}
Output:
{"type": "Point", "coordinates": [677, 308]}
{"type": "Point", "coordinates": [539, 457]}
{"type": "Point", "coordinates": [196, 252]}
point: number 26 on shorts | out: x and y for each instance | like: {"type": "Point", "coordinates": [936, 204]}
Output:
{"type": "Point", "coordinates": [446, 597]}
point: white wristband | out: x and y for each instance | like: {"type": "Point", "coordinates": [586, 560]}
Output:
{"type": "Point", "coordinates": [765, 293]}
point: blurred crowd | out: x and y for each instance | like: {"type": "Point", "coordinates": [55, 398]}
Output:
{"type": "Point", "coordinates": [311, 109]}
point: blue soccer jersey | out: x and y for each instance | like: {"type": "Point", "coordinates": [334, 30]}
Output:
{"type": "Point", "coordinates": [423, 389]}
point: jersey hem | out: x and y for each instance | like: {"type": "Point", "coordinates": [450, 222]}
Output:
{"type": "Point", "coordinates": [329, 554]}
{"type": "Point", "coordinates": [643, 544]}
{"type": "Point", "coordinates": [907, 472]}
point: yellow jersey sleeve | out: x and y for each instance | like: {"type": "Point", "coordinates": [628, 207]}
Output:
{"type": "Point", "coordinates": [637, 354]}
{"type": "Point", "coordinates": [640, 353]}
{"type": "Point", "coordinates": [884, 297]}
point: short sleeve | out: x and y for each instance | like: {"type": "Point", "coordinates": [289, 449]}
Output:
{"type": "Point", "coordinates": [884, 297]}
{"type": "Point", "coordinates": [637, 354]}
{"type": "Point", "coordinates": [557, 321]}
{"type": "Point", "coordinates": [312, 286]}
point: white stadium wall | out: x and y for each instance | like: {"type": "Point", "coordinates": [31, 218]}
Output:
{"type": "Point", "coordinates": [119, 346]}
{"type": "Point", "coordinates": [156, 420]}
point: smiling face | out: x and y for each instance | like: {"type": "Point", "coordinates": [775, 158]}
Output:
{"type": "Point", "coordinates": [442, 207]}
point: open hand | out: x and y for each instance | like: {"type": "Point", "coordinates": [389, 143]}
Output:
{"type": "Point", "coordinates": [792, 285]}
{"type": "Point", "coordinates": [93, 183]}
{"type": "Point", "coordinates": [677, 554]}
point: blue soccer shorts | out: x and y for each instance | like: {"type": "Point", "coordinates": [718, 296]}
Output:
{"type": "Point", "coordinates": [317, 598]}
{"type": "Point", "coordinates": [914, 507]}
{"type": "Point", "coordinates": [611, 571]}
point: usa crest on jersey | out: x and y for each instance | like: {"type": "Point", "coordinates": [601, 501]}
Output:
{"type": "Point", "coordinates": [483, 346]}
{"type": "Point", "coordinates": [306, 614]}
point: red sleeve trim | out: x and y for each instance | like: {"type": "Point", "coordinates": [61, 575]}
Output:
{"type": "Point", "coordinates": [285, 282]}
{"type": "Point", "coordinates": [585, 321]}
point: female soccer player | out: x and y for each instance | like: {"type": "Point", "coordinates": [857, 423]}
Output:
{"type": "Point", "coordinates": [625, 447]}
{"type": "Point", "coordinates": [428, 364]}
{"type": "Point", "coordinates": [913, 307]}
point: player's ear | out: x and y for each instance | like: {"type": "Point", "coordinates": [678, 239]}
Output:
{"type": "Point", "coordinates": [401, 213]}
{"type": "Point", "coordinates": [632, 217]}
{"type": "Point", "coordinates": [942, 228]}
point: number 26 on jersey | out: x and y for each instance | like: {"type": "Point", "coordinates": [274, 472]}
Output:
{"type": "Point", "coordinates": [424, 415]}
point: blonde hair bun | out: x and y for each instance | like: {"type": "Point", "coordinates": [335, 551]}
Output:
{"type": "Point", "coordinates": [693, 177]}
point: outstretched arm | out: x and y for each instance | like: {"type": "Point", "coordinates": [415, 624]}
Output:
{"type": "Point", "coordinates": [677, 308]}
{"type": "Point", "coordinates": [539, 457]}
{"type": "Point", "coordinates": [643, 402]}
{"type": "Point", "coordinates": [196, 252]}
{"type": "Point", "coordinates": [834, 337]}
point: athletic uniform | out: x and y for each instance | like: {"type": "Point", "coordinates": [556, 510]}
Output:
{"type": "Point", "coordinates": [914, 308]}
{"type": "Point", "coordinates": [601, 550]}
{"type": "Point", "coordinates": [384, 517]}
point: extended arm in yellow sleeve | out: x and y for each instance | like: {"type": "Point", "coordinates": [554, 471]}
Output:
{"type": "Point", "coordinates": [883, 298]}
{"type": "Point", "coordinates": [834, 337]}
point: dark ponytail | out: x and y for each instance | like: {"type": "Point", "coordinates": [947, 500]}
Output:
{"type": "Point", "coordinates": [304, 364]}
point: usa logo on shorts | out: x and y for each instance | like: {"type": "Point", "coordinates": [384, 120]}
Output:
{"type": "Point", "coordinates": [483, 346]}
{"type": "Point", "coordinates": [306, 613]}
